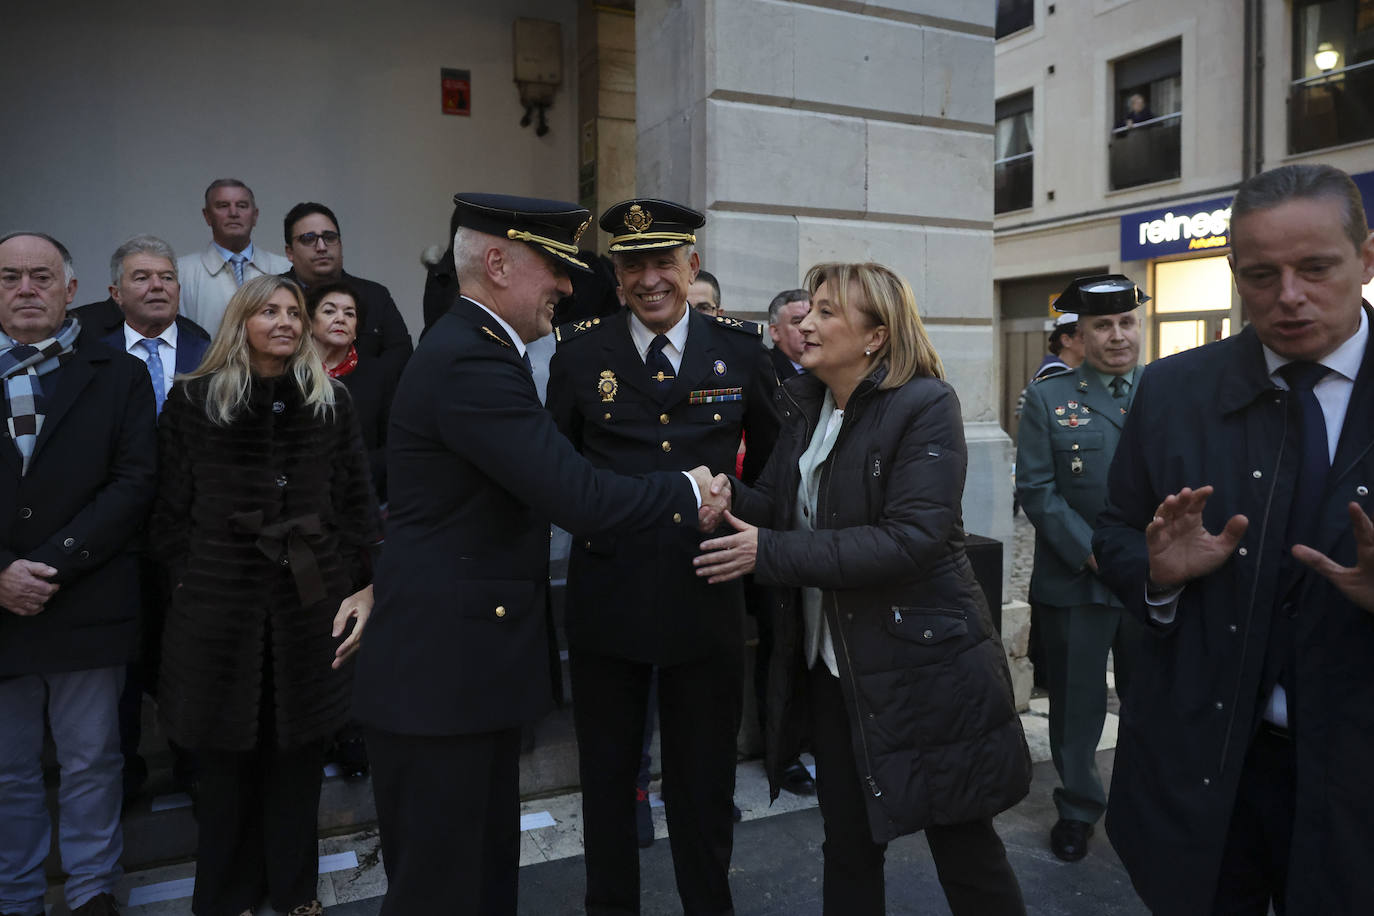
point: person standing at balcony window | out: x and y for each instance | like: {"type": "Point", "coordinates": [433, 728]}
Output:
{"type": "Point", "coordinates": [1137, 112]}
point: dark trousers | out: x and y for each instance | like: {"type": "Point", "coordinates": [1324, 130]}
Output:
{"type": "Point", "coordinates": [969, 858]}
{"type": "Point", "coordinates": [448, 810]}
{"type": "Point", "coordinates": [1254, 866]}
{"type": "Point", "coordinates": [1075, 641]}
{"type": "Point", "coordinates": [257, 812]}
{"type": "Point", "coordinates": [699, 711]}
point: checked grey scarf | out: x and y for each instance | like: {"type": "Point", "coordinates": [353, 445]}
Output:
{"type": "Point", "coordinates": [20, 367]}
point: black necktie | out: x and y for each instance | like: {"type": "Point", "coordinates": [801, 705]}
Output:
{"type": "Point", "coordinates": [1316, 462]}
{"type": "Point", "coordinates": [528, 365]}
{"type": "Point", "coordinates": [1118, 387]}
{"type": "Point", "coordinates": [660, 369]}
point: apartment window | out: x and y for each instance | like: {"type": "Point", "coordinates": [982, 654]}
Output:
{"type": "Point", "coordinates": [1014, 161]}
{"type": "Point", "coordinates": [1144, 144]}
{"type": "Point", "coordinates": [1014, 15]}
{"type": "Point", "coordinates": [1331, 97]}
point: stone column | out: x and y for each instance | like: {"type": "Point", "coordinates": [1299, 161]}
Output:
{"type": "Point", "coordinates": [839, 130]}
{"type": "Point", "coordinates": [605, 107]}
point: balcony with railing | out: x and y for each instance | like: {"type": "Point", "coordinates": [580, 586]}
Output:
{"type": "Point", "coordinates": [1332, 108]}
{"type": "Point", "coordinates": [1145, 152]}
{"type": "Point", "coordinates": [1011, 182]}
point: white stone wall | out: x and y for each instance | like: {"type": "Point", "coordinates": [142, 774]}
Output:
{"type": "Point", "coordinates": [829, 130]}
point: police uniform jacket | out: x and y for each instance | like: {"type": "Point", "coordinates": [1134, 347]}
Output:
{"type": "Point", "coordinates": [638, 596]}
{"type": "Point", "coordinates": [460, 637]}
{"type": "Point", "coordinates": [1069, 431]}
{"type": "Point", "coordinates": [1213, 416]}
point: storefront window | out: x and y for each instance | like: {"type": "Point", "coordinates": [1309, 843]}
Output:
{"type": "Point", "coordinates": [1331, 97]}
{"type": "Point", "coordinates": [1192, 303]}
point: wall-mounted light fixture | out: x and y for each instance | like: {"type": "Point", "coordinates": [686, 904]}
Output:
{"type": "Point", "coordinates": [538, 68]}
{"type": "Point", "coordinates": [1327, 57]}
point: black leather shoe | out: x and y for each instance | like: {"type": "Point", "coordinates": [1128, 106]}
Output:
{"type": "Point", "coordinates": [99, 905]}
{"type": "Point", "coordinates": [797, 780]}
{"type": "Point", "coordinates": [1069, 839]}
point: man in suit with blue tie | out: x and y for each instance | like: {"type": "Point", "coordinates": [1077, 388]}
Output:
{"type": "Point", "coordinates": [144, 287]}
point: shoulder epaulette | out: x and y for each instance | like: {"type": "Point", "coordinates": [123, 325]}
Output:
{"type": "Point", "coordinates": [752, 328]}
{"type": "Point", "coordinates": [566, 332]}
{"type": "Point", "coordinates": [496, 337]}
{"type": "Point", "coordinates": [1058, 371]}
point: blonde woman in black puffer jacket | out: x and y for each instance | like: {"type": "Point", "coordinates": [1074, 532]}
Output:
{"type": "Point", "coordinates": [885, 656]}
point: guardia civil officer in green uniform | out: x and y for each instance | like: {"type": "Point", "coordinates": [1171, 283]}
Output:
{"type": "Point", "coordinates": [656, 386]}
{"type": "Point", "coordinates": [1069, 429]}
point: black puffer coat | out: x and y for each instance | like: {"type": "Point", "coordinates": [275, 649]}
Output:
{"type": "Point", "coordinates": [935, 730]}
{"type": "Point", "coordinates": [264, 525]}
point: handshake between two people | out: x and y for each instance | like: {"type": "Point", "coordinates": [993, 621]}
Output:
{"type": "Point", "coordinates": [731, 556]}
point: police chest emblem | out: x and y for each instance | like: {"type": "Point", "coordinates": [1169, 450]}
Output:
{"type": "Point", "coordinates": [1076, 466]}
{"type": "Point", "coordinates": [1073, 405]}
{"type": "Point", "coordinates": [638, 219]}
{"type": "Point", "coordinates": [1074, 421]}
{"type": "Point", "coordinates": [607, 386]}
{"type": "Point", "coordinates": [720, 367]}
{"type": "Point", "coordinates": [1059, 411]}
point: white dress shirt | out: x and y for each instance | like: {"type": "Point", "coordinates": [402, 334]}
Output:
{"type": "Point", "coordinates": [166, 349]}
{"type": "Point", "coordinates": [677, 338]}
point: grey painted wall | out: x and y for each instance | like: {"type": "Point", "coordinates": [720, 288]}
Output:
{"type": "Point", "coordinates": [117, 115]}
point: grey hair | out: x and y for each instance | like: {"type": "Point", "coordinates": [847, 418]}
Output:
{"type": "Point", "coordinates": [139, 244]}
{"type": "Point", "coordinates": [786, 297]}
{"type": "Point", "coordinates": [1309, 181]}
{"type": "Point", "coordinates": [469, 247]}
{"type": "Point", "coordinates": [229, 183]}
{"type": "Point", "coordinates": [68, 268]}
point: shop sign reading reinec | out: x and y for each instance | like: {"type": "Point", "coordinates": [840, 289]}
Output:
{"type": "Point", "coordinates": [1199, 226]}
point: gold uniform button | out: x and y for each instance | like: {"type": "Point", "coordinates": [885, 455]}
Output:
{"type": "Point", "coordinates": [500, 611]}
{"type": "Point", "coordinates": [677, 518]}
{"type": "Point", "coordinates": [667, 446]}
{"type": "Point", "coordinates": [663, 418]}
{"type": "Point", "coordinates": [717, 418]}
{"type": "Point", "coordinates": [606, 416]}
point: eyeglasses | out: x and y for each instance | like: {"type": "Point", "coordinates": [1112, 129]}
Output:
{"type": "Point", "coordinates": [310, 238]}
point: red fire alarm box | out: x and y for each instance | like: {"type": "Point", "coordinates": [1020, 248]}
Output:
{"type": "Point", "coordinates": [456, 87]}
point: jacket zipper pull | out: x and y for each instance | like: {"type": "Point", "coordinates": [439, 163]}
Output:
{"type": "Point", "coordinates": [877, 466]}
{"type": "Point", "coordinates": [896, 616]}
{"type": "Point", "coordinates": [873, 787]}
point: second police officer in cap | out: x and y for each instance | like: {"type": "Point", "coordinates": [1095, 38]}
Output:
{"type": "Point", "coordinates": [656, 386]}
{"type": "Point", "coordinates": [1070, 426]}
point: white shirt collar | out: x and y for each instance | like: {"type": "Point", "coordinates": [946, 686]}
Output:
{"type": "Point", "coordinates": [132, 337]}
{"type": "Point", "coordinates": [1345, 359]}
{"type": "Point", "coordinates": [227, 254]}
{"type": "Point", "coordinates": [510, 331]}
{"type": "Point", "coordinates": [677, 335]}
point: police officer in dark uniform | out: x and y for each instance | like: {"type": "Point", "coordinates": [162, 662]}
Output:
{"type": "Point", "coordinates": [459, 651]}
{"type": "Point", "coordinates": [657, 385]}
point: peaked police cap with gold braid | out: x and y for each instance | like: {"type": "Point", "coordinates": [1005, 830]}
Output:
{"type": "Point", "coordinates": [552, 227]}
{"type": "Point", "coordinates": [645, 223]}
